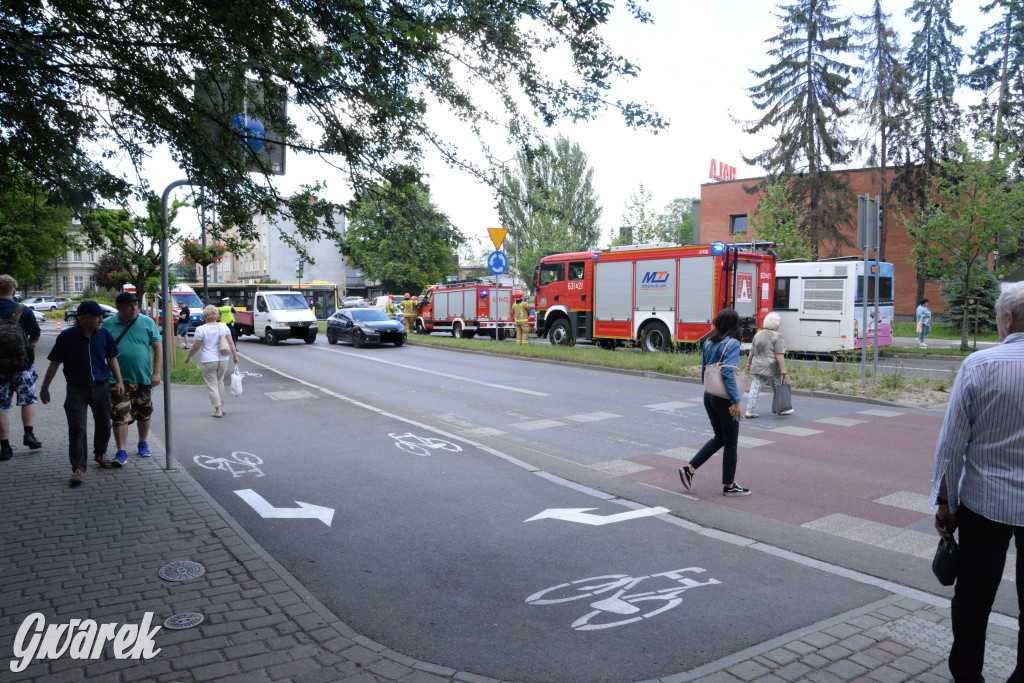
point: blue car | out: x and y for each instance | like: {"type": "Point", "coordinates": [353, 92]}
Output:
{"type": "Point", "coordinates": [361, 326]}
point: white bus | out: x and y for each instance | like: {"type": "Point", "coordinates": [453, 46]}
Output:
{"type": "Point", "coordinates": [820, 304]}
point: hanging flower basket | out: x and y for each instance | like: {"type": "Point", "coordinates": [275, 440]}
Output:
{"type": "Point", "coordinates": [204, 256]}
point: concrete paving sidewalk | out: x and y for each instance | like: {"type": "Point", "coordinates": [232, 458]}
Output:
{"type": "Point", "coordinates": [93, 552]}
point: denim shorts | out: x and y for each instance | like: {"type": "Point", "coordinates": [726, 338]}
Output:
{"type": "Point", "coordinates": [20, 386]}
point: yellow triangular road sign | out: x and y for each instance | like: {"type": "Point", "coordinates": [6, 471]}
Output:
{"type": "Point", "coordinates": [498, 236]}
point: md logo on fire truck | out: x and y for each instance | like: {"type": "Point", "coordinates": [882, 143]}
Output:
{"type": "Point", "coordinates": [654, 279]}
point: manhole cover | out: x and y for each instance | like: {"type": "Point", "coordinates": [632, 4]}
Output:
{"type": "Point", "coordinates": [181, 570]}
{"type": "Point", "coordinates": [183, 620]}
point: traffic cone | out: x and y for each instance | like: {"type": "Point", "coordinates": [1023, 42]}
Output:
{"type": "Point", "coordinates": [58, 326]}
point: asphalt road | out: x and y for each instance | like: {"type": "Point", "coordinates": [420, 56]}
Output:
{"type": "Point", "coordinates": [431, 550]}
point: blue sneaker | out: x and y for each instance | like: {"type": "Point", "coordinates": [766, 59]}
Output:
{"type": "Point", "coordinates": [144, 449]}
{"type": "Point", "coordinates": [121, 458]}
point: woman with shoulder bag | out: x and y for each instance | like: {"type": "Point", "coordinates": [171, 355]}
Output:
{"type": "Point", "coordinates": [213, 340]}
{"type": "Point", "coordinates": [766, 363]}
{"type": "Point", "coordinates": [722, 352]}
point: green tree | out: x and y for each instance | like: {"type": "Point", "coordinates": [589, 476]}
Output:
{"type": "Point", "coordinates": [998, 61]}
{"type": "Point", "coordinates": [804, 95]}
{"type": "Point", "coordinates": [405, 244]}
{"type": "Point", "coordinates": [930, 138]}
{"type": "Point", "coordinates": [883, 98]}
{"type": "Point", "coordinates": [978, 201]}
{"type": "Point", "coordinates": [82, 80]}
{"type": "Point", "coordinates": [675, 222]}
{"type": "Point", "coordinates": [778, 217]}
{"type": "Point", "coordinates": [639, 224]}
{"type": "Point", "coordinates": [32, 232]}
{"type": "Point", "coordinates": [984, 285]}
{"type": "Point", "coordinates": [134, 241]}
{"type": "Point", "coordinates": [548, 203]}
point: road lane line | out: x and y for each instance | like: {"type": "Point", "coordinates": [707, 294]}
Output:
{"type": "Point", "coordinates": [490, 385]}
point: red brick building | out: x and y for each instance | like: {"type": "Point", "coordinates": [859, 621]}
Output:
{"type": "Point", "coordinates": [725, 206]}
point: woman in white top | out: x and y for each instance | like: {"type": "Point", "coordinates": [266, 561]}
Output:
{"type": "Point", "coordinates": [214, 361]}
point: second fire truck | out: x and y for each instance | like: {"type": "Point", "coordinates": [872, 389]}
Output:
{"type": "Point", "coordinates": [466, 308]}
{"type": "Point", "coordinates": [654, 295]}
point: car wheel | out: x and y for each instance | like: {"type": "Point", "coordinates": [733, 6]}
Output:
{"type": "Point", "coordinates": [331, 339]}
{"type": "Point", "coordinates": [655, 338]}
{"type": "Point", "coordinates": [399, 342]}
{"type": "Point", "coordinates": [358, 340]}
{"type": "Point", "coordinates": [418, 328]}
{"type": "Point", "coordinates": [53, 308]}
{"type": "Point", "coordinates": [310, 339]}
{"type": "Point", "coordinates": [561, 333]}
{"type": "Point", "coordinates": [457, 330]}
{"type": "Point", "coordinates": [71, 320]}
{"type": "Point", "coordinates": [271, 338]}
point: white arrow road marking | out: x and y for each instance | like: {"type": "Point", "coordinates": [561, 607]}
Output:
{"type": "Point", "coordinates": [581, 515]}
{"type": "Point", "coordinates": [304, 511]}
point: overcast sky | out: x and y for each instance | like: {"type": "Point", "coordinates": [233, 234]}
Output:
{"type": "Point", "coordinates": [695, 59]}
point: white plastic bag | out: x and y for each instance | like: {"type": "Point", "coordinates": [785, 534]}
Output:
{"type": "Point", "coordinates": [236, 382]}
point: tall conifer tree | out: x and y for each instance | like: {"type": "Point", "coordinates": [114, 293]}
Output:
{"type": "Point", "coordinates": [933, 63]}
{"type": "Point", "coordinates": [883, 99]}
{"type": "Point", "coordinates": [804, 97]}
{"type": "Point", "coordinates": [998, 72]}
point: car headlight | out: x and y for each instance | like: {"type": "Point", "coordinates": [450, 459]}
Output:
{"type": "Point", "coordinates": [282, 324]}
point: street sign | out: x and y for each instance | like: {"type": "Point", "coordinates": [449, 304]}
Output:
{"type": "Point", "coordinates": [867, 222]}
{"type": "Point", "coordinates": [497, 262]}
{"type": "Point", "coordinates": [497, 236]}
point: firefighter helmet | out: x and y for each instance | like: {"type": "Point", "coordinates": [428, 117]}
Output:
{"type": "Point", "coordinates": [391, 297]}
{"type": "Point", "coordinates": [415, 298]}
{"type": "Point", "coordinates": [407, 295]}
{"type": "Point", "coordinates": [519, 296]}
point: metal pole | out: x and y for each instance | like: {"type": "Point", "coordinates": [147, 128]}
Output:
{"type": "Point", "coordinates": [165, 290]}
{"type": "Point", "coordinates": [202, 235]}
{"type": "Point", "coordinates": [864, 328]}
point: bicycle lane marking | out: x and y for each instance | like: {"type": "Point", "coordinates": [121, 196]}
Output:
{"type": "Point", "coordinates": [491, 385]}
{"type": "Point", "coordinates": [795, 558]}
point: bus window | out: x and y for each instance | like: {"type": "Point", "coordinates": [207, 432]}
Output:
{"type": "Point", "coordinates": [884, 289]}
{"type": "Point", "coordinates": [781, 301]}
{"type": "Point", "coordinates": [552, 272]}
{"type": "Point", "coordinates": [577, 269]}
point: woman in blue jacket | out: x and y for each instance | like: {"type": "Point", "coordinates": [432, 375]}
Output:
{"type": "Point", "coordinates": [725, 413]}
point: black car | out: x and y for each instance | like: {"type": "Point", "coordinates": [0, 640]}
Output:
{"type": "Point", "coordinates": [71, 313]}
{"type": "Point", "coordinates": [363, 326]}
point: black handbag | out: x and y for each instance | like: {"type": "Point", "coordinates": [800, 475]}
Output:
{"type": "Point", "coordinates": [944, 565]}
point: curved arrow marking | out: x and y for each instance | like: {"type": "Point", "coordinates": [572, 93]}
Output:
{"type": "Point", "coordinates": [581, 515]}
{"type": "Point", "coordinates": [268, 511]}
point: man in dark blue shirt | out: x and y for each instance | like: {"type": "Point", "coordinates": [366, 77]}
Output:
{"type": "Point", "coordinates": [18, 387]}
{"type": "Point", "coordinates": [89, 355]}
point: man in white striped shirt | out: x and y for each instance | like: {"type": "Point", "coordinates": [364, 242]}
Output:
{"type": "Point", "coordinates": [979, 483]}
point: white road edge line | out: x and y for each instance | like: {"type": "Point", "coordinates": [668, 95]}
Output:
{"type": "Point", "coordinates": [432, 372]}
{"type": "Point", "coordinates": [796, 558]}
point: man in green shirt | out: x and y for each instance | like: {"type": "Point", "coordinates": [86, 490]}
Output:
{"type": "Point", "coordinates": [140, 349]}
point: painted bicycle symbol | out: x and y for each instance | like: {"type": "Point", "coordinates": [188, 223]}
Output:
{"type": "Point", "coordinates": [239, 464]}
{"type": "Point", "coordinates": [620, 607]}
{"type": "Point", "coordinates": [421, 445]}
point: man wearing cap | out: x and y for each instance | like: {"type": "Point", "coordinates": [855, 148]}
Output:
{"type": "Point", "coordinates": [89, 355]}
{"type": "Point", "coordinates": [139, 351]}
{"type": "Point", "coordinates": [227, 316]}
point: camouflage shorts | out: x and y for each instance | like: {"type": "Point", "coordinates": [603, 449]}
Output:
{"type": "Point", "coordinates": [19, 385]}
{"type": "Point", "coordinates": [135, 404]}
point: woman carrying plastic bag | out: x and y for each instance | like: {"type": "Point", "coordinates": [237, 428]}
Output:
{"type": "Point", "coordinates": [236, 382]}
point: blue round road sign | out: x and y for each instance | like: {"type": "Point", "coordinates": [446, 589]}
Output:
{"type": "Point", "coordinates": [252, 129]}
{"type": "Point", "coordinates": [497, 262]}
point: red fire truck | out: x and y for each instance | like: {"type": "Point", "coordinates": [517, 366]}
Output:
{"type": "Point", "coordinates": [656, 295]}
{"type": "Point", "coordinates": [466, 308]}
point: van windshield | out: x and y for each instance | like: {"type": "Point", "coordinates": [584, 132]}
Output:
{"type": "Point", "coordinates": [187, 299]}
{"type": "Point", "coordinates": [286, 302]}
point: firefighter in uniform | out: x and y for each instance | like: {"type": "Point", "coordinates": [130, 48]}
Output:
{"type": "Point", "coordinates": [409, 312]}
{"type": "Point", "coordinates": [389, 307]}
{"type": "Point", "coordinates": [520, 311]}
{"type": "Point", "coordinates": [227, 316]}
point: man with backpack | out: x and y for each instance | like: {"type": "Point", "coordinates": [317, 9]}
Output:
{"type": "Point", "coordinates": [19, 333]}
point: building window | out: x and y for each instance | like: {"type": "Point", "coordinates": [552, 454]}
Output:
{"type": "Point", "coordinates": [92, 256]}
{"type": "Point", "coordinates": [738, 225]}
{"type": "Point", "coordinates": [78, 256]}
{"type": "Point", "coordinates": [92, 282]}
{"type": "Point", "coordinates": [63, 283]}
{"type": "Point", "coordinates": [79, 283]}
